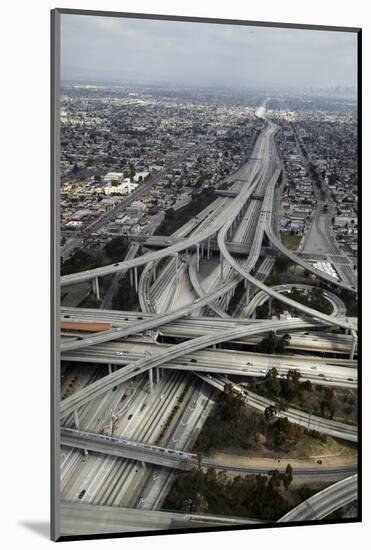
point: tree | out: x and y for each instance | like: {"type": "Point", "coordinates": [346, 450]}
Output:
{"type": "Point", "coordinates": [268, 343]}
{"type": "Point", "coordinates": [269, 413]}
{"type": "Point", "coordinates": [117, 248]}
{"type": "Point", "coordinates": [287, 476]}
{"type": "Point", "coordinates": [293, 376]}
{"type": "Point", "coordinates": [80, 260]}
{"type": "Point", "coordinates": [285, 434]}
{"type": "Point", "coordinates": [132, 171]}
{"type": "Point", "coordinates": [327, 404]}
{"type": "Point", "coordinates": [282, 264]}
{"type": "Point", "coordinates": [273, 344]}
{"type": "Point", "coordinates": [201, 505]}
{"type": "Point", "coordinates": [281, 405]}
{"type": "Point", "coordinates": [262, 311]}
{"type": "Point", "coordinates": [290, 385]}
{"type": "Point", "coordinates": [272, 382]}
{"type": "Point", "coordinates": [283, 343]}
{"type": "Point", "coordinates": [232, 403]}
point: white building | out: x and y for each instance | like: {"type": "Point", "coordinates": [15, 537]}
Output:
{"type": "Point", "coordinates": [124, 188]}
{"type": "Point", "coordinates": [140, 176]}
{"type": "Point", "coordinates": [113, 176]}
{"type": "Point", "coordinates": [74, 224]}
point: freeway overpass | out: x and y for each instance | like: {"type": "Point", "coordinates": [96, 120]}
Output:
{"type": "Point", "coordinates": [185, 460]}
{"type": "Point", "coordinates": [162, 242]}
{"type": "Point", "coordinates": [339, 309]}
{"type": "Point", "coordinates": [190, 327]}
{"type": "Point", "coordinates": [81, 397]}
{"type": "Point", "coordinates": [331, 372]}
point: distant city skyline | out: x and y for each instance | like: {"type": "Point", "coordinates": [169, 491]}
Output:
{"type": "Point", "coordinates": [109, 49]}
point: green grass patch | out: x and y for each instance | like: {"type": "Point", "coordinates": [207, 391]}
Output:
{"type": "Point", "coordinates": [291, 241]}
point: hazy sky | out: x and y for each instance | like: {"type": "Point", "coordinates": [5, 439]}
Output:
{"type": "Point", "coordinates": [127, 50]}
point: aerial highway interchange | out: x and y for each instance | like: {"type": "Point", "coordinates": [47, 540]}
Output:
{"type": "Point", "coordinates": [137, 367]}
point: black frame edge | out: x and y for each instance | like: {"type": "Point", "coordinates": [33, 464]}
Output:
{"type": "Point", "coordinates": [196, 19]}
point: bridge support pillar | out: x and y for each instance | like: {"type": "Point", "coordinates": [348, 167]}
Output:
{"type": "Point", "coordinates": [109, 368]}
{"type": "Point", "coordinates": [176, 256]}
{"type": "Point", "coordinates": [143, 464]}
{"type": "Point", "coordinates": [96, 288]}
{"type": "Point", "coordinates": [76, 419]}
{"type": "Point", "coordinates": [198, 256]}
{"type": "Point", "coordinates": [270, 307]}
{"type": "Point", "coordinates": [157, 371]}
{"type": "Point", "coordinates": [150, 379]}
{"type": "Point", "coordinates": [208, 248]}
{"type": "Point", "coordinates": [247, 293]}
{"type": "Point", "coordinates": [154, 273]}
{"type": "Point", "coordinates": [136, 278]}
{"type": "Point", "coordinates": [131, 277]}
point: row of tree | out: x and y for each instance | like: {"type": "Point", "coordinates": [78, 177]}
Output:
{"type": "Point", "coordinates": [273, 344]}
{"type": "Point", "coordinates": [233, 425]}
{"type": "Point", "coordinates": [175, 219]}
{"type": "Point", "coordinates": [260, 496]}
{"type": "Point", "coordinates": [82, 259]}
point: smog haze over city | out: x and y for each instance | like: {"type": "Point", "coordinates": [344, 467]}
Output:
{"type": "Point", "coordinates": [209, 275]}
{"type": "Point", "coordinates": [106, 49]}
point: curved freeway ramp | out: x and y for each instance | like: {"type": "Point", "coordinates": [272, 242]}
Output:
{"type": "Point", "coordinates": [338, 306]}
{"type": "Point", "coordinates": [264, 226]}
{"type": "Point", "coordinates": [325, 502]}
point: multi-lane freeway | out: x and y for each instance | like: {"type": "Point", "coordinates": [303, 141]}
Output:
{"type": "Point", "coordinates": [331, 372]}
{"type": "Point", "coordinates": [190, 327]}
